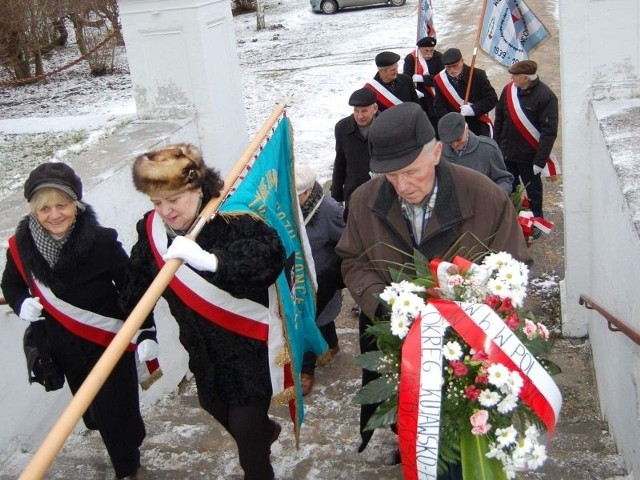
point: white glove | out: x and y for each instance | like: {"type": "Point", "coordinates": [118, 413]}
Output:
{"type": "Point", "coordinates": [147, 350]}
{"type": "Point", "coordinates": [419, 93]}
{"type": "Point", "coordinates": [467, 111]}
{"type": "Point", "coordinates": [537, 170]}
{"type": "Point", "coordinates": [31, 310]}
{"type": "Point", "coordinates": [191, 253]}
{"type": "Point", "coordinates": [417, 78]}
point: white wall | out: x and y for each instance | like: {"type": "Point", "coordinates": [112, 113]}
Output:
{"type": "Point", "coordinates": [600, 69]}
{"type": "Point", "coordinates": [183, 63]}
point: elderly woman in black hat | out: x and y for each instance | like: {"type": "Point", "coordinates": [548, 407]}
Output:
{"type": "Point", "coordinates": [65, 269]}
{"type": "Point", "coordinates": [235, 258]}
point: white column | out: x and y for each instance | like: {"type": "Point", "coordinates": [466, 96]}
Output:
{"type": "Point", "coordinates": [183, 63]}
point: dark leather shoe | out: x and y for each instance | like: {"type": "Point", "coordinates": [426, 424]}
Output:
{"type": "Point", "coordinates": [306, 382]}
{"type": "Point", "coordinates": [277, 428]}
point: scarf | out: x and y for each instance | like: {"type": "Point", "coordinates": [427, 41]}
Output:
{"type": "Point", "coordinates": [48, 246]}
{"type": "Point", "coordinates": [310, 207]}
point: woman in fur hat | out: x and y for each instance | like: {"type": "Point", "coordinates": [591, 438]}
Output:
{"type": "Point", "coordinates": [236, 256]}
{"type": "Point", "coordinates": [66, 270]}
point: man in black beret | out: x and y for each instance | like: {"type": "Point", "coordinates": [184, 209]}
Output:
{"type": "Point", "coordinates": [417, 202]}
{"type": "Point", "coordinates": [351, 165]}
{"type": "Point", "coordinates": [391, 88]}
{"type": "Point", "coordinates": [422, 63]}
{"type": "Point", "coordinates": [526, 129]}
{"type": "Point", "coordinates": [451, 86]}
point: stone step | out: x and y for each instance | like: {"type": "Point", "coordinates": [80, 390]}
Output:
{"type": "Point", "coordinates": [183, 442]}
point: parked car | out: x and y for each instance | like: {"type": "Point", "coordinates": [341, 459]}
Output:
{"type": "Point", "coordinates": [332, 6]}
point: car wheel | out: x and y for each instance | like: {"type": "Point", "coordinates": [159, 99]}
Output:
{"type": "Point", "coordinates": [397, 3]}
{"type": "Point", "coordinates": [329, 6]}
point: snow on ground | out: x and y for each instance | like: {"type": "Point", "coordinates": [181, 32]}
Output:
{"type": "Point", "coordinates": [318, 59]}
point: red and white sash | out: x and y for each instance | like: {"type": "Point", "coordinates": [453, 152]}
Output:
{"type": "Point", "coordinates": [91, 326]}
{"type": "Point", "coordinates": [421, 377]}
{"type": "Point", "coordinates": [421, 68]}
{"type": "Point", "coordinates": [530, 133]}
{"type": "Point", "coordinates": [455, 100]}
{"type": "Point", "coordinates": [241, 316]}
{"type": "Point", "coordinates": [383, 95]}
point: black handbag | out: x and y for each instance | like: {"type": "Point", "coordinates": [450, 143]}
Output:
{"type": "Point", "coordinates": [40, 364]}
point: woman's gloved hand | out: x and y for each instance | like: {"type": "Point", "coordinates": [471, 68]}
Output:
{"type": "Point", "coordinates": [147, 350]}
{"type": "Point", "coordinates": [31, 309]}
{"type": "Point", "coordinates": [190, 252]}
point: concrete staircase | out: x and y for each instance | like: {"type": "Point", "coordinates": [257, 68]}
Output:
{"type": "Point", "coordinates": [185, 443]}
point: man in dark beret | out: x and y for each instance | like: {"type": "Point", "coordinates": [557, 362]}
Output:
{"type": "Point", "coordinates": [422, 63]}
{"type": "Point", "coordinates": [351, 165]}
{"type": "Point", "coordinates": [526, 129]}
{"type": "Point", "coordinates": [417, 202]}
{"type": "Point", "coordinates": [391, 88]}
{"type": "Point", "coordinates": [451, 87]}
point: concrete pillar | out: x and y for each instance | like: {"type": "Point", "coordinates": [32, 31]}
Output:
{"type": "Point", "coordinates": [183, 63]}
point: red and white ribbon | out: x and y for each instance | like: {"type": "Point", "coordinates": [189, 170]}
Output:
{"type": "Point", "coordinates": [527, 222]}
{"type": "Point", "coordinates": [241, 316]}
{"type": "Point", "coordinates": [421, 377]}
{"type": "Point", "coordinates": [383, 95]}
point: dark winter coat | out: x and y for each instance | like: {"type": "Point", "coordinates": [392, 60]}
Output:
{"type": "Point", "coordinates": [324, 229]}
{"type": "Point", "coordinates": [227, 367]}
{"type": "Point", "coordinates": [89, 274]}
{"type": "Point", "coordinates": [435, 66]}
{"type": "Point", "coordinates": [482, 96]}
{"type": "Point", "coordinates": [351, 165]}
{"type": "Point", "coordinates": [377, 236]}
{"type": "Point", "coordinates": [540, 105]}
{"type": "Point", "coordinates": [404, 89]}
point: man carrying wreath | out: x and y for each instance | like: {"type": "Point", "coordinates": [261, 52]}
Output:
{"type": "Point", "coordinates": [416, 203]}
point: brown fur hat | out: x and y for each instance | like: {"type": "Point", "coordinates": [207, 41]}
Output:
{"type": "Point", "coordinates": [169, 169]}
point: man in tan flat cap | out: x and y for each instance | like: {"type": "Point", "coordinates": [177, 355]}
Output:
{"type": "Point", "coordinates": [526, 127]}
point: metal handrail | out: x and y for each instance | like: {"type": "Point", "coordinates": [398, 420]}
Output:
{"type": "Point", "coordinates": [614, 323]}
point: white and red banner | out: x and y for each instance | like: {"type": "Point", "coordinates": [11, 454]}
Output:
{"type": "Point", "coordinates": [241, 316]}
{"type": "Point", "coordinates": [91, 326]}
{"type": "Point", "coordinates": [421, 377]}
{"type": "Point", "coordinates": [383, 95]}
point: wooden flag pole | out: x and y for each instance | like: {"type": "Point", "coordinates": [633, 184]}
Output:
{"type": "Point", "coordinates": [54, 441]}
{"type": "Point", "coordinates": [475, 52]}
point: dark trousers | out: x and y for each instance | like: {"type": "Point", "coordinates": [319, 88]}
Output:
{"type": "Point", "coordinates": [330, 336]}
{"type": "Point", "coordinates": [252, 430]}
{"type": "Point", "coordinates": [532, 183]}
{"type": "Point", "coordinates": [115, 412]}
{"type": "Point", "coordinates": [367, 344]}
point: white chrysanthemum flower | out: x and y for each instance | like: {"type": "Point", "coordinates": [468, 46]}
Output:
{"type": "Point", "coordinates": [497, 374]}
{"type": "Point", "coordinates": [389, 295]}
{"type": "Point", "coordinates": [408, 303]}
{"type": "Point", "coordinates": [407, 287]}
{"type": "Point", "coordinates": [532, 433]}
{"type": "Point", "coordinates": [488, 398]}
{"type": "Point", "coordinates": [452, 350]}
{"type": "Point", "coordinates": [495, 261]}
{"type": "Point", "coordinates": [506, 436]}
{"type": "Point", "coordinates": [514, 383]}
{"type": "Point", "coordinates": [507, 404]}
{"type": "Point", "coordinates": [497, 287]}
{"type": "Point", "coordinates": [511, 275]}
{"type": "Point", "coordinates": [517, 296]}
{"type": "Point", "coordinates": [399, 324]}
{"type": "Point", "coordinates": [538, 457]}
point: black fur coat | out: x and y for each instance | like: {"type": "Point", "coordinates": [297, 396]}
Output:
{"type": "Point", "coordinates": [227, 367]}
